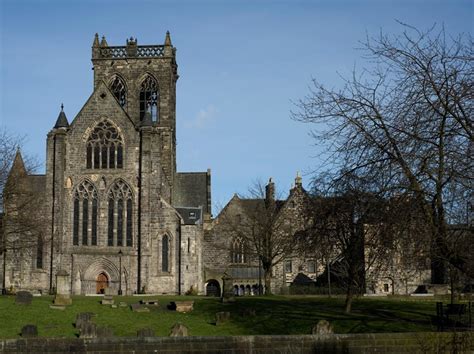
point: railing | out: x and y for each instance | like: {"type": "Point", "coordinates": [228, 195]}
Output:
{"type": "Point", "coordinates": [121, 52]}
{"type": "Point", "coordinates": [150, 51]}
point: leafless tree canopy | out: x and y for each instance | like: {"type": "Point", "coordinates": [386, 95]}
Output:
{"type": "Point", "coordinates": [23, 224]}
{"type": "Point", "coordinates": [405, 125]}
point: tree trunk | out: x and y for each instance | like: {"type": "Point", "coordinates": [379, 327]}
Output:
{"type": "Point", "coordinates": [349, 298]}
{"type": "Point", "coordinates": [268, 281]}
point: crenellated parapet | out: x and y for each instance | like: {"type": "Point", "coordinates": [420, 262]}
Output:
{"type": "Point", "coordinates": [131, 50]}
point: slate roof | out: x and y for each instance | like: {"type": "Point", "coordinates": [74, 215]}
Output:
{"type": "Point", "coordinates": [191, 189]}
{"type": "Point", "coordinates": [61, 122]}
{"type": "Point", "coordinates": [191, 216]}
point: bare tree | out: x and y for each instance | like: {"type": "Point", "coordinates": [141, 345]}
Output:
{"type": "Point", "coordinates": [407, 123]}
{"type": "Point", "coordinates": [265, 225]}
{"type": "Point", "coordinates": [23, 221]}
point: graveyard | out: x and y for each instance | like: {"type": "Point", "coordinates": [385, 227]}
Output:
{"type": "Point", "coordinates": [132, 316]}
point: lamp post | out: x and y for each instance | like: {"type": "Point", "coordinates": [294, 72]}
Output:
{"type": "Point", "coordinates": [120, 274]}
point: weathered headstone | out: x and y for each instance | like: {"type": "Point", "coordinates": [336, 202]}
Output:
{"type": "Point", "coordinates": [63, 292]}
{"type": "Point", "coordinates": [222, 317]}
{"type": "Point", "coordinates": [179, 330]}
{"type": "Point", "coordinates": [323, 327]}
{"type": "Point", "coordinates": [107, 300]}
{"type": "Point", "coordinates": [29, 331]}
{"type": "Point", "coordinates": [83, 317]}
{"type": "Point", "coordinates": [23, 298]}
{"type": "Point", "coordinates": [145, 332]}
{"type": "Point", "coordinates": [123, 304]}
{"type": "Point", "coordinates": [183, 306]}
{"type": "Point", "coordinates": [109, 291]}
{"type": "Point", "coordinates": [88, 330]}
{"type": "Point", "coordinates": [139, 308]}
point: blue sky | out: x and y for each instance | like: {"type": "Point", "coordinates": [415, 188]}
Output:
{"type": "Point", "coordinates": [241, 65]}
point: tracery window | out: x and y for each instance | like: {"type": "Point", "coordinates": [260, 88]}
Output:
{"type": "Point", "coordinates": [85, 208]}
{"type": "Point", "coordinates": [149, 98]}
{"type": "Point", "coordinates": [104, 147]}
{"type": "Point", "coordinates": [165, 250]}
{"type": "Point", "coordinates": [118, 89]}
{"type": "Point", "coordinates": [237, 252]}
{"type": "Point", "coordinates": [120, 215]}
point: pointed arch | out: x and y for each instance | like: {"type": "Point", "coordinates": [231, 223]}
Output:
{"type": "Point", "coordinates": [104, 147]}
{"type": "Point", "coordinates": [165, 253]}
{"type": "Point", "coordinates": [149, 97]}
{"type": "Point", "coordinates": [237, 251]}
{"type": "Point", "coordinates": [85, 214]}
{"type": "Point", "coordinates": [120, 214]}
{"type": "Point", "coordinates": [119, 89]}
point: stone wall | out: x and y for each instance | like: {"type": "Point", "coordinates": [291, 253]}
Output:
{"type": "Point", "coordinates": [338, 343]}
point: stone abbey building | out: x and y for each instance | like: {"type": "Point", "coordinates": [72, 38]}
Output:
{"type": "Point", "coordinates": [113, 211]}
{"type": "Point", "coordinates": [112, 195]}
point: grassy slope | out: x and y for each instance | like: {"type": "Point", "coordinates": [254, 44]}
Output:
{"type": "Point", "coordinates": [275, 315]}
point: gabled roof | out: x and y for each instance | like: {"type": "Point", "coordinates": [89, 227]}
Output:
{"type": "Point", "coordinates": [101, 86]}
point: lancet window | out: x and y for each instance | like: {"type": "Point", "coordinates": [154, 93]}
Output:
{"type": "Point", "coordinates": [237, 252]}
{"type": "Point", "coordinates": [149, 97]}
{"type": "Point", "coordinates": [165, 254]}
{"type": "Point", "coordinates": [85, 215]}
{"type": "Point", "coordinates": [104, 147]}
{"type": "Point", "coordinates": [118, 89]}
{"type": "Point", "coordinates": [120, 215]}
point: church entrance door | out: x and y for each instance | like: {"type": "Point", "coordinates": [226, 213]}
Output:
{"type": "Point", "coordinates": [102, 283]}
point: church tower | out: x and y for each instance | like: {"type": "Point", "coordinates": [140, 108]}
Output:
{"type": "Point", "coordinates": [143, 79]}
{"type": "Point", "coordinates": [120, 216]}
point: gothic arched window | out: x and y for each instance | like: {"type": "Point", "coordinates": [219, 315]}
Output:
{"type": "Point", "coordinates": [104, 147]}
{"type": "Point", "coordinates": [120, 215]}
{"type": "Point", "coordinates": [149, 96]}
{"type": "Point", "coordinates": [118, 89]}
{"type": "Point", "coordinates": [237, 251]}
{"type": "Point", "coordinates": [165, 254]}
{"type": "Point", "coordinates": [85, 214]}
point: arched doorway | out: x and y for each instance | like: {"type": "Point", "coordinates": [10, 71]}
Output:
{"type": "Point", "coordinates": [213, 288]}
{"type": "Point", "coordinates": [102, 283]}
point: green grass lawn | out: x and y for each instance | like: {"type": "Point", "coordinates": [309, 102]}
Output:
{"type": "Point", "coordinates": [274, 315]}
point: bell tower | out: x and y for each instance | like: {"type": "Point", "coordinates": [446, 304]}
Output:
{"type": "Point", "coordinates": [143, 78]}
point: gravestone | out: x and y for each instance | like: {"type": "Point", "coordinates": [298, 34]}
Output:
{"type": "Point", "coordinates": [227, 289]}
{"type": "Point", "coordinates": [139, 308]}
{"type": "Point", "coordinates": [323, 327]}
{"type": "Point", "coordinates": [183, 306]}
{"type": "Point", "coordinates": [145, 332]}
{"type": "Point", "coordinates": [222, 317]}
{"type": "Point", "coordinates": [123, 304]}
{"type": "Point", "coordinates": [63, 291]}
{"type": "Point", "coordinates": [179, 330]}
{"type": "Point", "coordinates": [88, 330]}
{"type": "Point", "coordinates": [23, 298]}
{"type": "Point", "coordinates": [107, 300]}
{"type": "Point", "coordinates": [83, 317]}
{"type": "Point", "coordinates": [29, 331]}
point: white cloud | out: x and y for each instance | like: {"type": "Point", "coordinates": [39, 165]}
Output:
{"type": "Point", "coordinates": [204, 117]}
